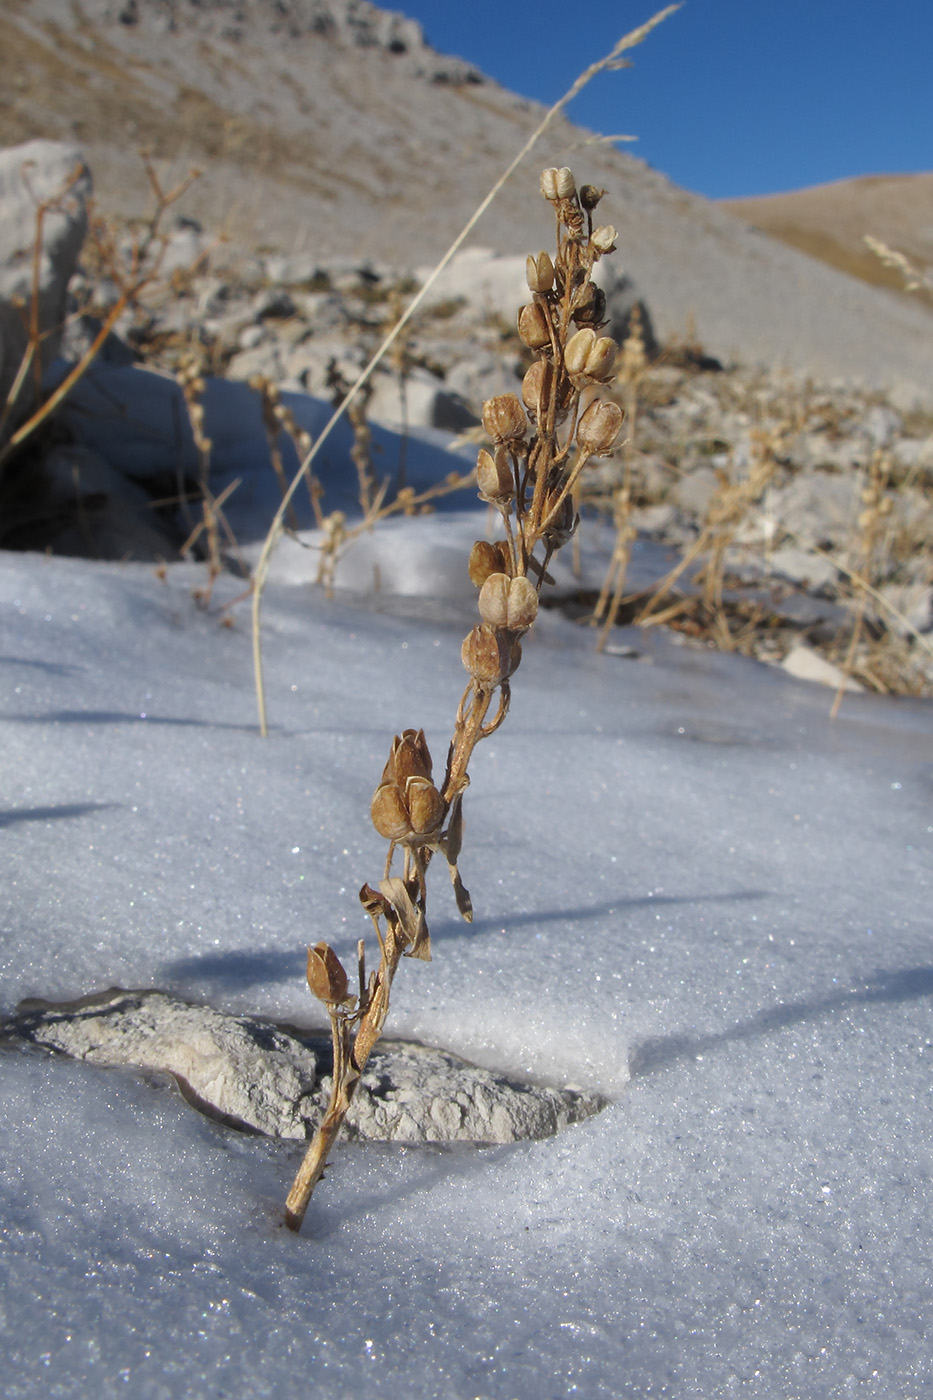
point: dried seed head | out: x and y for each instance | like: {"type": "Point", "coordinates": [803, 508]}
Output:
{"type": "Point", "coordinates": [604, 238]}
{"type": "Point", "coordinates": [540, 272]}
{"type": "Point", "coordinates": [549, 183]}
{"type": "Point", "coordinates": [563, 525]}
{"type": "Point", "coordinates": [490, 656]}
{"type": "Point", "coordinates": [425, 805]}
{"type": "Point", "coordinates": [503, 418]}
{"type": "Point", "coordinates": [534, 328]}
{"type": "Point", "coordinates": [588, 357]}
{"type": "Point", "coordinates": [410, 756]}
{"type": "Point", "coordinates": [523, 604]}
{"type": "Point", "coordinates": [590, 196]}
{"type": "Point", "coordinates": [508, 602]}
{"type": "Point", "coordinates": [494, 476]}
{"type": "Point", "coordinates": [558, 184]}
{"type": "Point", "coordinates": [536, 387]}
{"type": "Point", "coordinates": [577, 349]}
{"type": "Point", "coordinates": [388, 812]}
{"type": "Point", "coordinates": [485, 559]}
{"type": "Point", "coordinates": [590, 310]}
{"type": "Point", "coordinates": [327, 976]}
{"type": "Point", "coordinates": [599, 427]}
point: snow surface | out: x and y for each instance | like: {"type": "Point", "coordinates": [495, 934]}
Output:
{"type": "Point", "coordinates": [693, 892]}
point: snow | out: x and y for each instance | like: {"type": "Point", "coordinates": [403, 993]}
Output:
{"type": "Point", "coordinates": [693, 892]}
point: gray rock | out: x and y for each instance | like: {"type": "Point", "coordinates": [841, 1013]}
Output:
{"type": "Point", "coordinates": [253, 1074]}
{"type": "Point", "coordinates": [242, 1070]}
{"type": "Point", "coordinates": [421, 402]}
{"type": "Point", "coordinates": [39, 171]}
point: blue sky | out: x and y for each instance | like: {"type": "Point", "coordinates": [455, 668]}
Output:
{"type": "Point", "coordinates": [727, 97]}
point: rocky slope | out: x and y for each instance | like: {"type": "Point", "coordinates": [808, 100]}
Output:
{"type": "Point", "coordinates": [329, 127]}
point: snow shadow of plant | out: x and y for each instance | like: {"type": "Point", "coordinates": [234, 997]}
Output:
{"type": "Point", "coordinates": [123, 717]}
{"type": "Point", "coordinates": [13, 815]}
{"type": "Point", "coordinates": [656, 1054]}
{"type": "Point", "coordinates": [452, 928]}
{"type": "Point", "coordinates": [244, 967]}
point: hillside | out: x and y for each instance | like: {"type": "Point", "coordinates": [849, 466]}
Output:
{"type": "Point", "coordinates": [830, 222]}
{"type": "Point", "coordinates": [330, 126]}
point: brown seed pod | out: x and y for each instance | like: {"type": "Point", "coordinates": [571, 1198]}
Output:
{"type": "Point", "coordinates": [485, 559]}
{"type": "Point", "coordinates": [388, 813]}
{"type": "Point", "coordinates": [590, 195]}
{"type": "Point", "coordinates": [425, 805]}
{"type": "Point", "coordinates": [411, 756]}
{"type": "Point", "coordinates": [327, 976]}
{"type": "Point", "coordinates": [604, 238]}
{"type": "Point", "coordinates": [539, 272]}
{"type": "Point", "coordinates": [536, 387]}
{"type": "Point", "coordinates": [534, 327]}
{"type": "Point", "coordinates": [504, 418]}
{"type": "Point", "coordinates": [509, 603]}
{"type": "Point", "coordinates": [523, 604]}
{"type": "Point", "coordinates": [590, 309]}
{"type": "Point", "coordinates": [490, 656]}
{"type": "Point", "coordinates": [494, 476]}
{"type": "Point", "coordinates": [588, 357]}
{"type": "Point", "coordinates": [599, 428]}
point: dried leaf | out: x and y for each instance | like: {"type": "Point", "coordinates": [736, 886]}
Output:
{"type": "Point", "coordinates": [462, 895]}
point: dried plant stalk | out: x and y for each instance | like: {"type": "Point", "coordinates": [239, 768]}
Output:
{"type": "Point", "coordinates": [612, 60]}
{"type": "Point", "coordinates": [539, 446]}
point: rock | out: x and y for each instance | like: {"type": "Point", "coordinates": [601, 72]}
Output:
{"type": "Point", "coordinates": [90, 510]}
{"type": "Point", "coordinates": [423, 402]}
{"type": "Point", "coordinates": [246, 1072]}
{"type": "Point", "coordinates": [253, 1074]}
{"type": "Point", "coordinates": [495, 284]}
{"type": "Point", "coordinates": [39, 171]}
{"type": "Point", "coordinates": [808, 665]}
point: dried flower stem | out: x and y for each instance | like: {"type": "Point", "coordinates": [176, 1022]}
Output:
{"type": "Point", "coordinates": [538, 451]}
{"type": "Point", "coordinates": [612, 60]}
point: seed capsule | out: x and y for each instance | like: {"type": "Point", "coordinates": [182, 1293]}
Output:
{"type": "Point", "coordinates": [599, 427]}
{"type": "Point", "coordinates": [485, 559]}
{"type": "Point", "coordinates": [494, 476]}
{"type": "Point", "coordinates": [536, 387]}
{"type": "Point", "coordinates": [412, 756]}
{"type": "Point", "coordinates": [388, 813]}
{"type": "Point", "coordinates": [604, 238]}
{"type": "Point", "coordinates": [510, 603]}
{"type": "Point", "coordinates": [327, 976]}
{"type": "Point", "coordinates": [588, 358]}
{"type": "Point", "coordinates": [534, 329]}
{"type": "Point", "coordinates": [490, 656]}
{"type": "Point", "coordinates": [503, 418]}
{"type": "Point", "coordinates": [540, 272]}
{"type": "Point", "coordinates": [590, 310]}
{"type": "Point", "coordinates": [590, 195]}
{"type": "Point", "coordinates": [425, 805]}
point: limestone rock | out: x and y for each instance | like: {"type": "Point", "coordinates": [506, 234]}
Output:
{"type": "Point", "coordinates": [38, 171]}
{"type": "Point", "coordinates": [253, 1074]}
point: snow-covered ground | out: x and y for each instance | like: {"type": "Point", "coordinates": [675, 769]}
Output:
{"type": "Point", "coordinates": [693, 892]}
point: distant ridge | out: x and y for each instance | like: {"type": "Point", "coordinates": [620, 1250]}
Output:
{"type": "Point", "coordinates": [830, 221]}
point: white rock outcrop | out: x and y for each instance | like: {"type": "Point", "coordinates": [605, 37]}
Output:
{"type": "Point", "coordinates": [50, 175]}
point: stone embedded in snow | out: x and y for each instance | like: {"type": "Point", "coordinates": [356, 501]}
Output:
{"type": "Point", "coordinates": [253, 1074]}
{"type": "Point", "coordinates": [808, 665]}
{"type": "Point", "coordinates": [245, 1071]}
{"type": "Point", "coordinates": [37, 171]}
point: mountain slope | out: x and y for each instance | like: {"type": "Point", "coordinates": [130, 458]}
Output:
{"type": "Point", "coordinates": [329, 126]}
{"type": "Point", "coordinates": [830, 222]}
